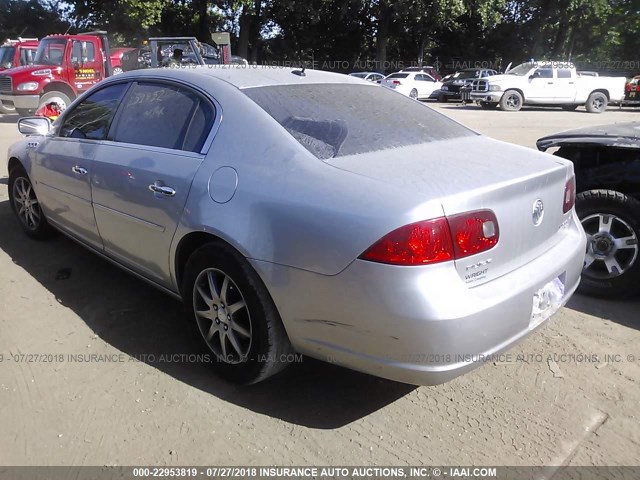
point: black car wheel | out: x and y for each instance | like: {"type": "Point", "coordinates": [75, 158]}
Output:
{"type": "Point", "coordinates": [611, 221]}
{"type": "Point", "coordinates": [442, 98]}
{"type": "Point", "coordinates": [234, 316]}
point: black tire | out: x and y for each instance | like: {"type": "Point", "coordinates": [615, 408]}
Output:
{"type": "Point", "coordinates": [569, 108]}
{"type": "Point", "coordinates": [488, 105]}
{"type": "Point", "coordinates": [442, 98]}
{"type": "Point", "coordinates": [32, 221]}
{"type": "Point", "coordinates": [58, 97]}
{"type": "Point", "coordinates": [511, 101]}
{"type": "Point", "coordinates": [25, 112]}
{"type": "Point", "coordinates": [266, 349]}
{"type": "Point", "coordinates": [621, 214]}
{"type": "Point", "coordinates": [597, 102]}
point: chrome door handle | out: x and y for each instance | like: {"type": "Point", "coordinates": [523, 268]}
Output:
{"type": "Point", "coordinates": [159, 187]}
{"type": "Point", "coordinates": [79, 170]}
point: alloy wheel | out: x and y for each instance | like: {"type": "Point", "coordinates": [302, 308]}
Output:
{"type": "Point", "coordinates": [612, 246]}
{"type": "Point", "coordinates": [26, 203]}
{"type": "Point", "coordinates": [222, 315]}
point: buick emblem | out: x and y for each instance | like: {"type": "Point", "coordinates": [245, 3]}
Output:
{"type": "Point", "coordinates": [538, 212]}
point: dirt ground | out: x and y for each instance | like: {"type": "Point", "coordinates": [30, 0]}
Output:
{"type": "Point", "coordinates": [556, 400]}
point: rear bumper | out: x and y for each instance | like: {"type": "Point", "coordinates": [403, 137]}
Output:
{"type": "Point", "coordinates": [418, 325]}
{"type": "Point", "coordinates": [30, 102]}
{"type": "Point", "coordinates": [491, 97]}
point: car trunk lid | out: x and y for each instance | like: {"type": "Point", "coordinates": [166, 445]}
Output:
{"type": "Point", "coordinates": [476, 173]}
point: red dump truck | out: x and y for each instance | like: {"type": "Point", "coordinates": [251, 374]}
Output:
{"type": "Point", "coordinates": [63, 67]}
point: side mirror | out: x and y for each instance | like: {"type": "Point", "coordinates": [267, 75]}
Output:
{"type": "Point", "coordinates": [34, 125]}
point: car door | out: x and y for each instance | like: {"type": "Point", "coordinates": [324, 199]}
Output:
{"type": "Point", "coordinates": [86, 63]}
{"type": "Point", "coordinates": [540, 89]}
{"type": "Point", "coordinates": [564, 86]}
{"type": "Point", "coordinates": [64, 162]}
{"type": "Point", "coordinates": [143, 172]}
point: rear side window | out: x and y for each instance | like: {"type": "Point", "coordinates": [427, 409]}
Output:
{"type": "Point", "coordinates": [333, 120]}
{"type": "Point", "coordinates": [166, 116]}
{"type": "Point", "coordinates": [90, 119]}
{"type": "Point", "coordinates": [563, 73]}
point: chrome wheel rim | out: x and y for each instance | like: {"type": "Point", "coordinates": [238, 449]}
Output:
{"type": "Point", "coordinates": [26, 203]}
{"type": "Point", "coordinates": [222, 316]}
{"type": "Point", "coordinates": [413, 93]}
{"type": "Point", "coordinates": [612, 246]}
{"type": "Point", "coordinates": [513, 101]}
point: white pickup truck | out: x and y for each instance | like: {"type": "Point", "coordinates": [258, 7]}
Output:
{"type": "Point", "coordinates": [547, 83]}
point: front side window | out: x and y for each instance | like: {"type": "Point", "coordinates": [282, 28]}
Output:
{"type": "Point", "coordinates": [346, 119]}
{"type": "Point", "coordinates": [82, 52]}
{"type": "Point", "coordinates": [543, 73]}
{"type": "Point", "coordinates": [91, 118]}
{"type": "Point", "coordinates": [166, 116]}
{"type": "Point", "coordinates": [27, 55]}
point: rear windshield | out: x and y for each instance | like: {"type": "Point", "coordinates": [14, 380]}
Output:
{"type": "Point", "coordinates": [334, 120]}
{"type": "Point", "coordinates": [398, 75]}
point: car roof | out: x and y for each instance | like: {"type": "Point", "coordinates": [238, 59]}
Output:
{"type": "Point", "coordinates": [249, 76]}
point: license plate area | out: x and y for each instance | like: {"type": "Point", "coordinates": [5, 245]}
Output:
{"type": "Point", "coordinates": [547, 300]}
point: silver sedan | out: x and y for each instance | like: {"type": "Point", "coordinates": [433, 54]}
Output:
{"type": "Point", "coordinates": [304, 211]}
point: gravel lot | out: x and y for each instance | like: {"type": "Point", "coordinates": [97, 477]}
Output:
{"type": "Point", "coordinates": [142, 408]}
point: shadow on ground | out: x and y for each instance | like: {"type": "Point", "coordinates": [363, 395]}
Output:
{"type": "Point", "coordinates": [624, 312]}
{"type": "Point", "coordinates": [12, 118]}
{"type": "Point", "coordinates": [141, 321]}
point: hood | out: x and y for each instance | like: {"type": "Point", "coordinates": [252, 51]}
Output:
{"type": "Point", "coordinates": [27, 69]}
{"type": "Point", "coordinates": [500, 78]}
{"type": "Point", "coordinates": [618, 134]}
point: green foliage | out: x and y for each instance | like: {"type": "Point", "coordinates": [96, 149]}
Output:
{"type": "Point", "coordinates": [337, 34]}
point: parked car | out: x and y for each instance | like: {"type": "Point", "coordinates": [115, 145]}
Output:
{"type": "Point", "coordinates": [115, 55]}
{"type": "Point", "coordinates": [429, 70]}
{"type": "Point", "coordinates": [357, 226]}
{"type": "Point", "coordinates": [450, 89]}
{"type": "Point", "coordinates": [419, 86]}
{"type": "Point", "coordinates": [547, 83]}
{"type": "Point", "coordinates": [369, 76]}
{"type": "Point", "coordinates": [606, 160]}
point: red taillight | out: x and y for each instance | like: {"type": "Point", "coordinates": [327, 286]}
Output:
{"type": "Point", "coordinates": [396, 82]}
{"type": "Point", "coordinates": [569, 199]}
{"type": "Point", "coordinates": [474, 232]}
{"type": "Point", "coordinates": [438, 240]}
{"type": "Point", "coordinates": [415, 244]}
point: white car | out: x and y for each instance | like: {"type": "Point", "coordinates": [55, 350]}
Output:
{"type": "Point", "coordinates": [374, 77]}
{"type": "Point", "coordinates": [548, 83]}
{"type": "Point", "coordinates": [413, 84]}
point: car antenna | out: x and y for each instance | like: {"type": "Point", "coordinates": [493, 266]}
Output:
{"type": "Point", "coordinates": [300, 73]}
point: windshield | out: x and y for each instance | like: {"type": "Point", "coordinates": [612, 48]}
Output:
{"type": "Point", "coordinates": [467, 74]}
{"type": "Point", "coordinates": [521, 70]}
{"type": "Point", "coordinates": [6, 56]}
{"type": "Point", "coordinates": [334, 120]}
{"type": "Point", "coordinates": [50, 52]}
